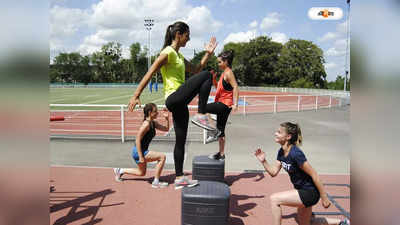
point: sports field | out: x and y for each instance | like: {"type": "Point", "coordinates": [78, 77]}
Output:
{"type": "Point", "coordinates": [101, 96]}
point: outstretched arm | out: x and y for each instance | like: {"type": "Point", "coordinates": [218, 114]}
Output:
{"type": "Point", "coordinates": [272, 170]}
{"type": "Point", "coordinates": [160, 61]}
{"type": "Point", "coordinates": [210, 47]}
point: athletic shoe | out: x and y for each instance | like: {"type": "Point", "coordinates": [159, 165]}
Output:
{"type": "Point", "coordinates": [117, 172]}
{"type": "Point", "coordinates": [213, 117]}
{"type": "Point", "coordinates": [345, 222]}
{"type": "Point", "coordinates": [185, 182]}
{"type": "Point", "coordinates": [159, 185]}
{"type": "Point", "coordinates": [202, 121]}
{"type": "Point", "coordinates": [211, 139]}
{"type": "Point", "coordinates": [217, 156]}
{"type": "Point", "coordinates": [212, 136]}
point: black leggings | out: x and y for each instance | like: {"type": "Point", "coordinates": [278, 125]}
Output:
{"type": "Point", "coordinates": [177, 104]}
{"type": "Point", "coordinates": [222, 112]}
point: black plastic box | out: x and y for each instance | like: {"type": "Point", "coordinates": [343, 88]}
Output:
{"type": "Point", "coordinates": [206, 204]}
{"type": "Point", "coordinates": [204, 168]}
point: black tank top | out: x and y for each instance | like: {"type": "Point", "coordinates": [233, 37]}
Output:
{"type": "Point", "coordinates": [148, 137]}
{"type": "Point", "coordinates": [227, 86]}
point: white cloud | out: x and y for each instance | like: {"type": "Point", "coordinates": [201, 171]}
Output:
{"type": "Point", "coordinates": [200, 20]}
{"type": "Point", "coordinates": [253, 24]}
{"type": "Point", "coordinates": [124, 23]}
{"type": "Point", "coordinates": [328, 36]}
{"type": "Point", "coordinates": [66, 22]}
{"type": "Point", "coordinates": [341, 32]}
{"type": "Point", "coordinates": [341, 28]}
{"type": "Point", "coordinates": [91, 44]}
{"type": "Point", "coordinates": [279, 37]}
{"type": "Point", "coordinates": [338, 49]}
{"type": "Point", "coordinates": [240, 37]}
{"type": "Point", "coordinates": [330, 65]}
{"type": "Point", "coordinates": [272, 20]}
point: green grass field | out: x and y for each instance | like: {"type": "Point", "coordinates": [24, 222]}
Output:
{"type": "Point", "coordinates": [100, 96]}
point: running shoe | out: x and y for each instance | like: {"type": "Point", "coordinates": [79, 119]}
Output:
{"type": "Point", "coordinates": [159, 184]}
{"type": "Point", "coordinates": [203, 122]}
{"type": "Point", "coordinates": [117, 172]}
{"type": "Point", "coordinates": [185, 182]}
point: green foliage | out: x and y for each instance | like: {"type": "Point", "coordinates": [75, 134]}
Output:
{"type": "Point", "coordinates": [260, 62]}
{"type": "Point", "coordinates": [338, 84]}
{"type": "Point", "coordinates": [301, 59]}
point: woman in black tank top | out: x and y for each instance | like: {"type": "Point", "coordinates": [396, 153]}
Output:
{"type": "Point", "coordinates": [141, 153]}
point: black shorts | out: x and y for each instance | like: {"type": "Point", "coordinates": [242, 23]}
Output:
{"type": "Point", "coordinates": [309, 197]}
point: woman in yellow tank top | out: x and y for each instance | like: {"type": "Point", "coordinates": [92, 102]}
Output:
{"type": "Point", "coordinates": [179, 92]}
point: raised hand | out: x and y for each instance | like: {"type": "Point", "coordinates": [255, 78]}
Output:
{"type": "Point", "coordinates": [210, 47]}
{"type": "Point", "coordinates": [260, 155]}
{"type": "Point", "coordinates": [133, 102]}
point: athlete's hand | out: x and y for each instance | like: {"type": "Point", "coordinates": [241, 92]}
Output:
{"type": "Point", "coordinates": [325, 202]}
{"type": "Point", "coordinates": [210, 47]}
{"type": "Point", "coordinates": [234, 108]}
{"type": "Point", "coordinates": [135, 100]}
{"type": "Point", "coordinates": [260, 155]}
{"type": "Point", "coordinates": [141, 160]}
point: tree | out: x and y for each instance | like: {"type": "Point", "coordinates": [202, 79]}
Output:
{"type": "Point", "coordinates": [300, 59]}
{"type": "Point", "coordinates": [254, 62]}
{"type": "Point", "coordinates": [71, 67]}
{"type": "Point", "coordinates": [212, 63]}
{"type": "Point", "coordinates": [338, 84]}
{"type": "Point", "coordinates": [107, 63]}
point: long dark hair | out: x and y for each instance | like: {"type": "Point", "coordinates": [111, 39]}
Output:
{"type": "Point", "coordinates": [228, 56]}
{"type": "Point", "coordinates": [294, 130]}
{"type": "Point", "coordinates": [178, 26]}
{"type": "Point", "coordinates": [148, 108]}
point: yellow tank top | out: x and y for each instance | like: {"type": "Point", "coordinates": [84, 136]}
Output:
{"type": "Point", "coordinates": [173, 73]}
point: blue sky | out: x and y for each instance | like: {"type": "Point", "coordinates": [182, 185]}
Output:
{"type": "Point", "coordinates": [84, 25]}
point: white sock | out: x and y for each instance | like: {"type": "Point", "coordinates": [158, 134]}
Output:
{"type": "Point", "coordinates": [155, 181]}
{"type": "Point", "coordinates": [121, 171]}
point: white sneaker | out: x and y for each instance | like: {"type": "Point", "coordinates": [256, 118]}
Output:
{"type": "Point", "coordinates": [159, 185]}
{"type": "Point", "coordinates": [213, 117]}
{"type": "Point", "coordinates": [211, 139]}
{"type": "Point", "coordinates": [117, 172]}
{"type": "Point", "coordinates": [202, 121]}
{"type": "Point", "coordinates": [185, 182]}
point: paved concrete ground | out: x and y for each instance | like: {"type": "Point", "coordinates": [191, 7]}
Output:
{"type": "Point", "coordinates": [326, 144]}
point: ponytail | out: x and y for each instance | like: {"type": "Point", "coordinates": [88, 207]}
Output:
{"type": "Point", "coordinates": [228, 56]}
{"type": "Point", "coordinates": [170, 33]}
{"type": "Point", "coordinates": [148, 108]}
{"type": "Point", "coordinates": [294, 130]}
{"type": "Point", "coordinates": [168, 37]}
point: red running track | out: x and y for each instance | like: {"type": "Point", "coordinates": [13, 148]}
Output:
{"type": "Point", "coordinates": [91, 196]}
{"type": "Point", "coordinates": [109, 122]}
